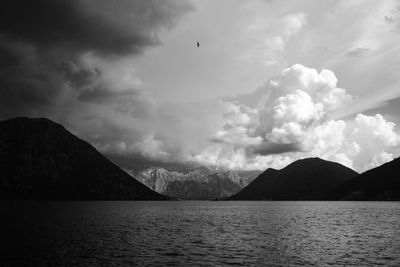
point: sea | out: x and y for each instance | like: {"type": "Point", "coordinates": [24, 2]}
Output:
{"type": "Point", "coordinates": [200, 233]}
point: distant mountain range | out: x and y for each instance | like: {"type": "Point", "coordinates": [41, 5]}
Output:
{"type": "Point", "coordinates": [40, 159]}
{"type": "Point", "coordinates": [306, 179]}
{"type": "Point", "coordinates": [188, 181]}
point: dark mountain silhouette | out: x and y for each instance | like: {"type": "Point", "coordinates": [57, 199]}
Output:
{"type": "Point", "coordinates": [380, 183]}
{"type": "Point", "coordinates": [306, 179]}
{"type": "Point", "coordinates": [40, 159]}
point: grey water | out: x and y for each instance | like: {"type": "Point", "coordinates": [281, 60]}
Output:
{"type": "Point", "coordinates": [201, 233]}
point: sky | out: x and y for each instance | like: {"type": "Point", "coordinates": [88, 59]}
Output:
{"type": "Point", "coordinates": [272, 81]}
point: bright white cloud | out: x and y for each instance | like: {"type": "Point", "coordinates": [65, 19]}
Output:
{"type": "Point", "coordinates": [375, 129]}
{"type": "Point", "coordinates": [320, 86]}
{"type": "Point", "coordinates": [294, 120]}
{"type": "Point", "coordinates": [296, 107]}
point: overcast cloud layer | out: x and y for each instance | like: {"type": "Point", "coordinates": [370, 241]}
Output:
{"type": "Point", "coordinates": [270, 83]}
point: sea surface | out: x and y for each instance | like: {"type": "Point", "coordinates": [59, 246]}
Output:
{"type": "Point", "coordinates": [200, 233]}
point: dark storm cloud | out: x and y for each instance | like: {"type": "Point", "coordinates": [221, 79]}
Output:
{"type": "Point", "coordinates": [42, 43]}
{"type": "Point", "coordinates": [271, 148]}
{"type": "Point", "coordinates": [101, 26]}
{"type": "Point", "coordinates": [91, 86]}
{"type": "Point", "coordinates": [29, 85]}
{"type": "Point", "coordinates": [135, 102]}
{"type": "Point", "coordinates": [78, 76]}
{"type": "Point", "coordinates": [99, 94]}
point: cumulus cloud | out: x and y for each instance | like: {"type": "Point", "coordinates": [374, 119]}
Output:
{"type": "Point", "coordinates": [294, 118]}
{"type": "Point", "coordinates": [296, 107]}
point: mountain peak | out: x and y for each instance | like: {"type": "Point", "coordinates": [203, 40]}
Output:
{"type": "Point", "coordinates": [28, 126]}
{"type": "Point", "coordinates": [313, 160]}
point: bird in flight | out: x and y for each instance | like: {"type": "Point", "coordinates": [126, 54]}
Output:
{"type": "Point", "coordinates": [198, 44]}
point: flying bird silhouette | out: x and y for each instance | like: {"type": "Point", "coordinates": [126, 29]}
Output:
{"type": "Point", "coordinates": [198, 44]}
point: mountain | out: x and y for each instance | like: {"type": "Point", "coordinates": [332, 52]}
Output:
{"type": "Point", "coordinates": [189, 182]}
{"type": "Point", "coordinates": [306, 179]}
{"type": "Point", "coordinates": [40, 159]}
{"type": "Point", "coordinates": [380, 183]}
{"type": "Point", "coordinates": [201, 183]}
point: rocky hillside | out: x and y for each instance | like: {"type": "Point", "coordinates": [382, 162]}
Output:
{"type": "Point", "coordinates": [201, 183]}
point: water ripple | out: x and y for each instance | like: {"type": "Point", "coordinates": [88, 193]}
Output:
{"type": "Point", "coordinates": [191, 233]}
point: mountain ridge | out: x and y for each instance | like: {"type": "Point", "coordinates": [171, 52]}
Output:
{"type": "Point", "coordinates": [305, 179]}
{"type": "Point", "coordinates": [200, 183]}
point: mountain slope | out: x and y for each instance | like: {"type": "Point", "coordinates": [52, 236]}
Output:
{"type": "Point", "coordinates": [306, 179]}
{"type": "Point", "coordinates": [380, 183]}
{"type": "Point", "coordinates": [40, 159]}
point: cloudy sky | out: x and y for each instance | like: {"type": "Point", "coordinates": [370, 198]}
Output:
{"type": "Point", "coordinates": [272, 81]}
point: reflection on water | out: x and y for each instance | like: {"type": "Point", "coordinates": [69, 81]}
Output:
{"type": "Point", "coordinates": [202, 233]}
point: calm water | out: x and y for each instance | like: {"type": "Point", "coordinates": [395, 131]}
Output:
{"type": "Point", "coordinates": [196, 233]}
